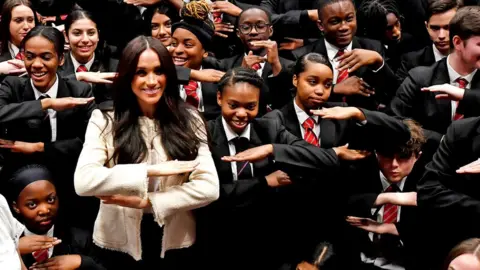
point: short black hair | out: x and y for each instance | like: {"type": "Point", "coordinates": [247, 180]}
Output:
{"type": "Point", "coordinates": [269, 15]}
{"type": "Point", "coordinates": [465, 23]}
{"type": "Point", "coordinates": [440, 6]}
{"type": "Point", "coordinates": [239, 75]}
{"type": "Point", "coordinates": [322, 3]}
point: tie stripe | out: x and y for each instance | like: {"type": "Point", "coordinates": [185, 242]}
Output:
{"type": "Point", "coordinates": [309, 136]}
{"type": "Point", "coordinates": [462, 83]}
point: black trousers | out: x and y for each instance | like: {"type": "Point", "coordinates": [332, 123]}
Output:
{"type": "Point", "coordinates": [151, 236]}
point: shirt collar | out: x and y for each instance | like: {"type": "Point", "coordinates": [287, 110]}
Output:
{"type": "Point", "coordinates": [386, 183]}
{"type": "Point", "coordinates": [52, 92]}
{"type": "Point", "coordinates": [437, 54]}
{"type": "Point", "coordinates": [302, 115]}
{"type": "Point", "coordinates": [453, 75]}
{"type": "Point", "coordinates": [26, 232]}
{"type": "Point", "coordinates": [232, 134]}
{"type": "Point", "coordinates": [14, 50]}
{"type": "Point", "coordinates": [76, 64]}
{"type": "Point", "coordinates": [332, 50]}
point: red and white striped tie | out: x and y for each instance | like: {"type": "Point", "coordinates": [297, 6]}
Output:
{"type": "Point", "coordinates": [191, 91]}
{"type": "Point", "coordinates": [40, 255]}
{"type": "Point", "coordinates": [309, 135]}
{"type": "Point", "coordinates": [390, 211]}
{"type": "Point", "coordinates": [343, 75]}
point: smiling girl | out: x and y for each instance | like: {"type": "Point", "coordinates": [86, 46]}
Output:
{"type": "Point", "coordinates": [17, 20]}
{"type": "Point", "coordinates": [89, 59]}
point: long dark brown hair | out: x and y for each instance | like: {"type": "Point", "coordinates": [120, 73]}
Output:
{"type": "Point", "coordinates": [7, 8]}
{"type": "Point", "coordinates": [179, 126]}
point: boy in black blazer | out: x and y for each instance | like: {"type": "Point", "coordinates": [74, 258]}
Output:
{"type": "Point", "coordinates": [439, 14]}
{"type": "Point", "coordinates": [361, 76]}
{"type": "Point", "coordinates": [459, 69]}
{"type": "Point", "coordinates": [383, 204]}
{"type": "Point", "coordinates": [254, 28]}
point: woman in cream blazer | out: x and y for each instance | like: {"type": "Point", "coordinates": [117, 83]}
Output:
{"type": "Point", "coordinates": [129, 161]}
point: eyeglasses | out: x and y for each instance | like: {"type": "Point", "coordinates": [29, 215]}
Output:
{"type": "Point", "coordinates": [259, 27]}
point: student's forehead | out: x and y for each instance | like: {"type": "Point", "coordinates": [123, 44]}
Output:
{"type": "Point", "coordinates": [254, 15]}
{"type": "Point", "coordinates": [342, 7]}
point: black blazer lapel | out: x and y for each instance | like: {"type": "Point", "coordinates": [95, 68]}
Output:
{"type": "Point", "coordinates": [220, 146]}
{"type": "Point", "coordinates": [428, 56]}
{"type": "Point", "coordinates": [267, 71]}
{"type": "Point", "coordinates": [255, 140]}
{"type": "Point", "coordinates": [444, 106]}
{"type": "Point", "coordinates": [67, 68]}
{"type": "Point", "coordinates": [62, 116]}
{"type": "Point", "coordinates": [28, 92]}
{"type": "Point", "coordinates": [327, 133]}
{"type": "Point", "coordinates": [291, 122]}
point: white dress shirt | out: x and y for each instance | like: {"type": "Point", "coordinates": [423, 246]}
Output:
{"type": "Point", "coordinates": [453, 76]}
{"type": "Point", "coordinates": [437, 54]}
{"type": "Point", "coordinates": [49, 234]}
{"type": "Point", "coordinates": [381, 262]}
{"type": "Point", "coordinates": [302, 116]}
{"type": "Point", "coordinates": [332, 51]}
{"type": "Point", "coordinates": [52, 93]}
{"type": "Point", "coordinates": [76, 64]}
{"type": "Point", "coordinates": [10, 232]}
{"type": "Point", "coordinates": [14, 50]}
{"type": "Point", "coordinates": [231, 146]}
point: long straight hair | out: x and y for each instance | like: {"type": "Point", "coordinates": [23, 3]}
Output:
{"type": "Point", "coordinates": [7, 8]}
{"type": "Point", "coordinates": [102, 52]}
{"type": "Point", "coordinates": [178, 125]}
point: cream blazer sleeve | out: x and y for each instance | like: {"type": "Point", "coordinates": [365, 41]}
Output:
{"type": "Point", "coordinates": [94, 178]}
{"type": "Point", "coordinates": [201, 188]}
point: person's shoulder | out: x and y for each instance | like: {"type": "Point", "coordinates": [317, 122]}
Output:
{"type": "Point", "coordinates": [465, 129]}
{"type": "Point", "coordinates": [77, 88]}
{"type": "Point", "coordinates": [15, 80]}
{"type": "Point", "coordinates": [410, 56]}
{"type": "Point", "coordinates": [369, 44]}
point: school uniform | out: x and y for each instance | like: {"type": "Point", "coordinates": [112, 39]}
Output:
{"type": "Point", "coordinates": [424, 57]}
{"type": "Point", "coordinates": [382, 79]}
{"type": "Point", "coordinates": [74, 242]}
{"type": "Point", "coordinates": [62, 132]}
{"type": "Point", "coordinates": [306, 198]}
{"type": "Point", "coordinates": [236, 230]}
{"type": "Point", "coordinates": [12, 53]}
{"type": "Point", "coordinates": [435, 115]}
{"type": "Point", "coordinates": [449, 201]}
{"type": "Point", "coordinates": [373, 251]}
{"type": "Point", "coordinates": [101, 92]}
{"type": "Point", "coordinates": [277, 91]}
{"type": "Point", "coordinates": [227, 47]}
{"type": "Point", "coordinates": [394, 50]}
{"type": "Point", "coordinates": [205, 94]}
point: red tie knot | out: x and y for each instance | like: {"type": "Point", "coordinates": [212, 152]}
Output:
{"type": "Point", "coordinates": [340, 53]}
{"type": "Point", "coordinates": [462, 83]}
{"type": "Point", "coordinates": [217, 17]}
{"type": "Point", "coordinates": [309, 123]}
{"type": "Point", "coordinates": [20, 55]}
{"type": "Point", "coordinates": [191, 87]}
{"type": "Point", "coordinates": [256, 66]}
{"type": "Point", "coordinates": [82, 68]}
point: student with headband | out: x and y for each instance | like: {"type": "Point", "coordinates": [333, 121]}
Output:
{"type": "Point", "coordinates": [47, 242]}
